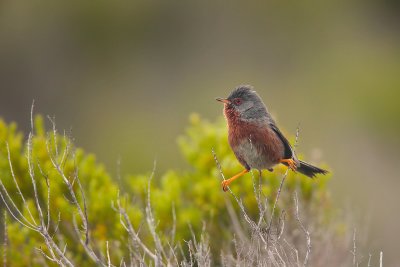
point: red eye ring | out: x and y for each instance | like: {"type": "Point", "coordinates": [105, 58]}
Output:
{"type": "Point", "coordinates": [237, 101]}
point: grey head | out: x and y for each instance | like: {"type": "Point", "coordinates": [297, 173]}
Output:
{"type": "Point", "coordinates": [247, 103]}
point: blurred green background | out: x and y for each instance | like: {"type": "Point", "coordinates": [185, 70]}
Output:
{"type": "Point", "coordinates": [125, 75]}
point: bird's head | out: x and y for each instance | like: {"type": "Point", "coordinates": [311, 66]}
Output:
{"type": "Point", "coordinates": [244, 103]}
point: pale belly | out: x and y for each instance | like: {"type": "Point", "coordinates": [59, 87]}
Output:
{"type": "Point", "coordinates": [254, 155]}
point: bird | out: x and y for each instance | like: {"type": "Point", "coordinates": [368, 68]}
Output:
{"type": "Point", "coordinates": [255, 138]}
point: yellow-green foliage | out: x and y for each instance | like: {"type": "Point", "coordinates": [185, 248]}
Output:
{"type": "Point", "coordinates": [197, 195]}
{"type": "Point", "coordinates": [194, 194]}
{"type": "Point", "coordinates": [99, 188]}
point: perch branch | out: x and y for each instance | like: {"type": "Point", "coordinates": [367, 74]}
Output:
{"type": "Point", "coordinates": [305, 231]}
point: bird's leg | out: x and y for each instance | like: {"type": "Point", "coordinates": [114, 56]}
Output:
{"type": "Point", "coordinates": [289, 162]}
{"type": "Point", "coordinates": [225, 183]}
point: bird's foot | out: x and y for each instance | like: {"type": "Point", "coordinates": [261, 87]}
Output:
{"type": "Point", "coordinates": [290, 163]}
{"type": "Point", "coordinates": [225, 185]}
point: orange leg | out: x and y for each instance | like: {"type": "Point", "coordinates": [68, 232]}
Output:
{"type": "Point", "coordinates": [225, 183]}
{"type": "Point", "coordinates": [290, 162]}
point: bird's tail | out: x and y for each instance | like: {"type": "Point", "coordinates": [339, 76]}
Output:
{"type": "Point", "coordinates": [309, 170]}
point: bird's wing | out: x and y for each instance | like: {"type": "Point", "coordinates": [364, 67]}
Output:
{"type": "Point", "coordinates": [288, 148]}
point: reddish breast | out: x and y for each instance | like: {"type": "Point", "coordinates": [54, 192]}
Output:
{"type": "Point", "coordinates": [261, 135]}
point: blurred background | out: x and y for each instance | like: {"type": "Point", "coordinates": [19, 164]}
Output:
{"type": "Point", "coordinates": [125, 75]}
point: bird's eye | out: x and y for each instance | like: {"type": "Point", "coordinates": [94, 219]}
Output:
{"type": "Point", "coordinates": [237, 101]}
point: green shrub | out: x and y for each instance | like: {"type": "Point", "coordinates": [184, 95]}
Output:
{"type": "Point", "coordinates": [194, 195]}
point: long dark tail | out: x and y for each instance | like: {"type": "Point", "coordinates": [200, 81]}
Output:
{"type": "Point", "coordinates": [310, 170]}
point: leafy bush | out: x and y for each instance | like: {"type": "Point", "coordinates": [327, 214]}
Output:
{"type": "Point", "coordinates": [182, 202]}
{"type": "Point", "coordinates": [99, 188]}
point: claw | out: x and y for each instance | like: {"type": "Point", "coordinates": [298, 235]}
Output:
{"type": "Point", "coordinates": [225, 183]}
{"type": "Point", "coordinates": [291, 163]}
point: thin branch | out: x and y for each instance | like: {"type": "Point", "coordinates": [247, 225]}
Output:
{"type": "Point", "coordinates": [277, 198]}
{"type": "Point", "coordinates": [282, 223]}
{"type": "Point", "coordinates": [33, 180]}
{"type": "Point", "coordinates": [50, 258]}
{"type": "Point", "coordinates": [42, 225]}
{"type": "Point", "coordinates": [173, 231]}
{"type": "Point", "coordinates": [82, 212]}
{"type": "Point", "coordinates": [354, 251]}
{"type": "Point", "coordinates": [57, 225]}
{"type": "Point", "coordinates": [235, 221]}
{"type": "Point", "coordinates": [66, 151]}
{"type": "Point", "coordinates": [53, 122]}
{"type": "Point", "coordinates": [18, 189]}
{"type": "Point", "coordinates": [32, 108]}
{"type": "Point", "coordinates": [108, 255]}
{"type": "Point", "coordinates": [126, 223]}
{"type": "Point", "coordinates": [150, 218]}
{"type": "Point", "coordinates": [218, 164]}
{"type": "Point", "coordinates": [48, 193]}
{"type": "Point", "coordinates": [369, 259]}
{"type": "Point", "coordinates": [88, 250]}
{"type": "Point", "coordinates": [307, 234]}
{"type": "Point", "coordinates": [296, 252]}
{"type": "Point", "coordinates": [257, 193]}
{"type": "Point", "coordinates": [18, 213]}
{"type": "Point", "coordinates": [283, 179]}
{"type": "Point", "coordinates": [5, 240]}
{"type": "Point", "coordinates": [252, 224]}
{"type": "Point", "coordinates": [86, 220]}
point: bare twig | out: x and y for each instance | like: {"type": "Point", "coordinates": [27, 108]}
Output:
{"type": "Point", "coordinates": [32, 108]}
{"type": "Point", "coordinates": [14, 211]}
{"type": "Point", "coordinates": [235, 221]}
{"type": "Point", "coordinates": [33, 180]}
{"type": "Point", "coordinates": [296, 252]}
{"type": "Point", "coordinates": [5, 240]}
{"type": "Point", "coordinates": [150, 218]}
{"type": "Point", "coordinates": [281, 223]}
{"type": "Point", "coordinates": [89, 251]}
{"type": "Point", "coordinates": [254, 226]}
{"type": "Point", "coordinates": [48, 193]}
{"type": "Point", "coordinates": [108, 255]}
{"type": "Point", "coordinates": [41, 227]}
{"type": "Point", "coordinates": [53, 122]}
{"type": "Point", "coordinates": [283, 180]}
{"type": "Point", "coordinates": [126, 223]}
{"type": "Point", "coordinates": [218, 164]}
{"type": "Point", "coordinates": [82, 211]}
{"type": "Point", "coordinates": [173, 234]}
{"type": "Point", "coordinates": [19, 190]}
{"type": "Point", "coordinates": [277, 198]}
{"type": "Point", "coordinates": [41, 224]}
{"type": "Point", "coordinates": [239, 201]}
{"type": "Point", "coordinates": [262, 207]}
{"type": "Point", "coordinates": [307, 234]}
{"type": "Point", "coordinates": [50, 258]}
{"type": "Point", "coordinates": [354, 251]}
{"type": "Point", "coordinates": [369, 259]}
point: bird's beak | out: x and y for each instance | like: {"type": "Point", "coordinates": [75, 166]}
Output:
{"type": "Point", "coordinates": [223, 100]}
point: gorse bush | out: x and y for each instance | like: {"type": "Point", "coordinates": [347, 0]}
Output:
{"type": "Point", "coordinates": [99, 188]}
{"type": "Point", "coordinates": [186, 204]}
